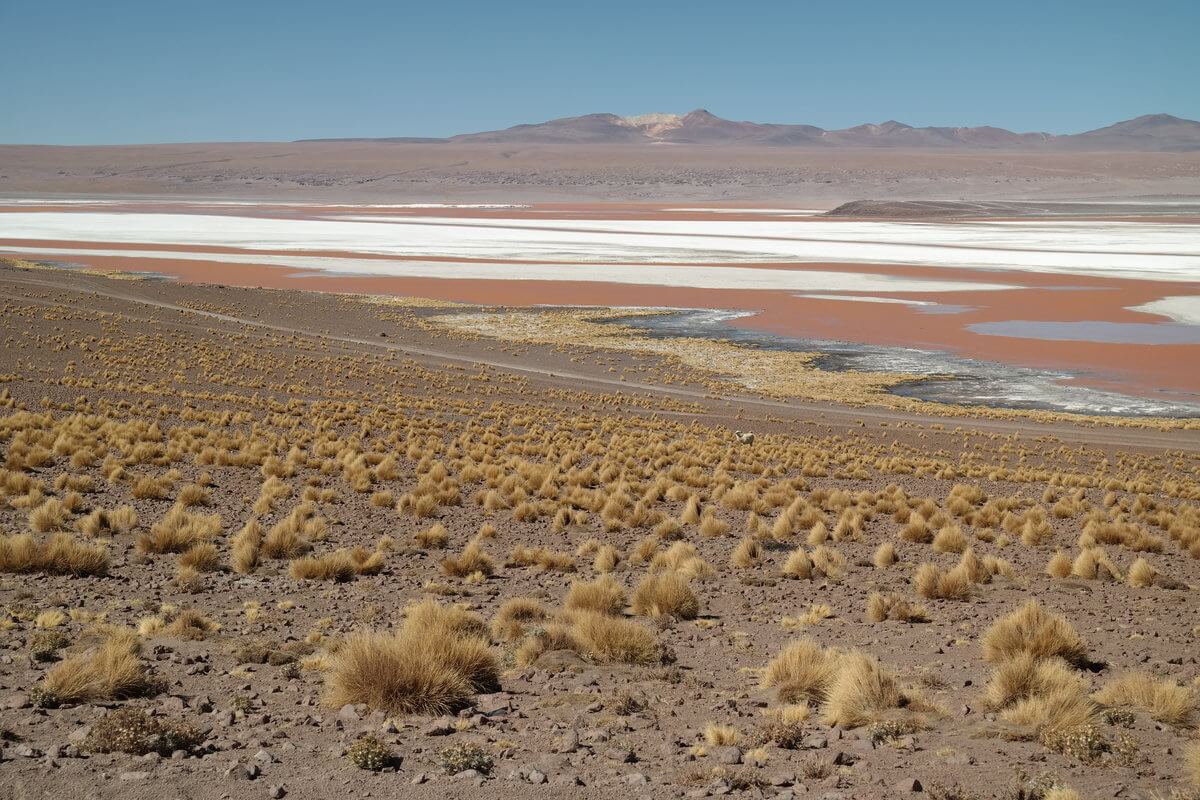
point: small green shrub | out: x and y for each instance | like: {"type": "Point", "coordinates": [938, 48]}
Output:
{"type": "Point", "coordinates": [369, 753]}
{"type": "Point", "coordinates": [129, 730]}
{"type": "Point", "coordinates": [464, 756]}
{"type": "Point", "coordinates": [44, 645]}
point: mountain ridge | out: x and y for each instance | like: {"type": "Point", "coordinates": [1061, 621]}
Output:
{"type": "Point", "coordinates": [1150, 132]}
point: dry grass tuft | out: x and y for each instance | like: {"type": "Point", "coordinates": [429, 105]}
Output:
{"type": "Point", "coordinates": [58, 555]}
{"type": "Point", "coordinates": [720, 735]}
{"type": "Point", "coordinates": [340, 565]}
{"type": "Point", "coordinates": [861, 692]}
{"type": "Point", "coordinates": [602, 595]}
{"type": "Point", "coordinates": [111, 671]}
{"type": "Point", "coordinates": [245, 546]}
{"type": "Point", "coordinates": [515, 615]}
{"type": "Point", "coordinates": [801, 672]}
{"type": "Point", "coordinates": [429, 666]}
{"type": "Point", "coordinates": [1165, 700]}
{"type": "Point", "coordinates": [178, 531]}
{"type": "Point", "coordinates": [472, 560]}
{"type": "Point", "coordinates": [892, 606]}
{"type": "Point", "coordinates": [1033, 630]}
{"type": "Point", "coordinates": [665, 594]}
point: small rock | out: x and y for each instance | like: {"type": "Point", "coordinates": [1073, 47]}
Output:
{"type": "Point", "coordinates": [909, 785]}
{"type": "Point", "coordinates": [621, 755]}
{"type": "Point", "coordinates": [569, 742]}
{"type": "Point", "coordinates": [241, 772]}
{"type": "Point", "coordinates": [440, 727]}
{"type": "Point", "coordinates": [844, 759]}
{"type": "Point", "coordinates": [636, 779]}
{"type": "Point", "coordinates": [536, 777]}
{"type": "Point", "coordinates": [276, 792]}
{"type": "Point", "coordinates": [727, 754]}
{"type": "Point", "coordinates": [15, 701]}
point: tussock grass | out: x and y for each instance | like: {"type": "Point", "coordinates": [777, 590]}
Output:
{"type": "Point", "coordinates": [602, 595]}
{"type": "Point", "coordinates": [542, 558]}
{"type": "Point", "coordinates": [861, 692]}
{"type": "Point", "coordinates": [111, 671]}
{"type": "Point", "coordinates": [429, 666]}
{"type": "Point", "coordinates": [472, 560]}
{"type": "Point", "coordinates": [245, 548]}
{"type": "Point", "coordinates": [1165, 700]}
{"type": "Point", "coordinates": [720, 735]}
{"type": "Point", "coordinates": [514, 617]}
{"type": "Point", "coordinates": [801, 672]}
{"type": "Point", "coordinates": [1033, 630]}
{"type": "Point", "coordinates": [432, 537]}
{"type": "Point", "coordinates": [340, 565]}
{"type": "Point", "coordinates": [201, 557]}
{"type": "Point", "coordinates": [178, 531]}
{"type": "Point", "coordinates": [881, 607]}
{"type": "Point", "coordinates": [58, 555]}
{"type": "Point", "coordinates": [682, 557]}
{"type": "Point", "coordinates": [1025, 676]}
{"type": "Point", "coordinates": [665, 594]}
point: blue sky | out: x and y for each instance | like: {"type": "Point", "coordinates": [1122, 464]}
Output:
{"type": "Point", "coordinates": [81, 71]}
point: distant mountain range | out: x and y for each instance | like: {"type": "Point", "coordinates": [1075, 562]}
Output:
{"type": "Point", "coordinates": [1153, 132]}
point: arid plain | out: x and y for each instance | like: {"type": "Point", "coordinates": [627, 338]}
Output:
{"type": "Point", "coordinates": [339, 470]}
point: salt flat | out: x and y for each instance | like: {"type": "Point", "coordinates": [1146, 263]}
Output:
{"type": "Point", "coordinates": [1147, 251]}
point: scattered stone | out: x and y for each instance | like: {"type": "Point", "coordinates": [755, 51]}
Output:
{"type": "Point", "coordinates": [276, 792]}
{"type": "Point", "coordinates": [726, 754]}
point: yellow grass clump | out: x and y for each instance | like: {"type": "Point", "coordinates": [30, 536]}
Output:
{"type": "Point", "coordinates": [602, 595]}
{"type": "Point", "coordinates": [428, 666]}
{"type": "Point", "coordinates": [1031, 629]}
{"type": "Point", "coordinates": [514, 616]}
{"type": "Point", "coordinates": [472, 560]}
{"type": "Point", "coordinates": [665, 594]}
{"type": "Point", "coordinates": [245, 547]}
{"type": "Point", "coordinates": [58, 555]}
{"type": "Point", "coordinates": [881, 607]}
{"type": "Point", "coordinates": [340, 565]}
{"type": "Point", "coordinates": [110, 671]}
{"type": "Point", "coordinates": [179, 531]}
{"type": "Point", "coordinates": [1165, 700]}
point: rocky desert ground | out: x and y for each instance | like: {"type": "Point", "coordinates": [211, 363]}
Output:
{"type": "Point", "coordinates": [270, 543]}
{"type": "Point", "coordinates": [514, 172]}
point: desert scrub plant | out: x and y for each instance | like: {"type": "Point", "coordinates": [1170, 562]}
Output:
{"type": "Point", "coordinates": [665, 594]}
{"type": "Point", "coordinates": [49, 516]}
{"type": "Point", "coordinates": [110, 671]}
{"type": "Point", "coordinates": [244, 548]}
{"type": "Point", "coordinates": [611, 640]}
{"type": "Point", "coordinates": [370, 754]}
{"type": "Point", "coordinates": [881, 607]}
{"type": "Point", "coordinates": [1191, 763]}
{"type": "Point", "coordinates": [432, 537]}
{"type": "Point", "coordinates": [201, 557]}
{"type": "Point", "coordinates": [1165, 700]}
{"type": "Point", "coordinates": [1059, 565]}
{"type": "Point", "coordinates": [428, 666]}
{"type": "Point", "coordinates": [179, 530]}
{"type": "Point", "coordinates": [340, 565]}
{"type": "Point", "coordinates": [515, 616]}
{"type": "Point", "coordinates": [1024, 676]}
{"type": "Point", "coordinates": [746, 554]}
{"type": "Point", "coordinates": [58, 555]}
{"type": "Point", "coordinates": [801, 672]}
{"type": "Point", "coordinates": [463, 756]}
{"type": "Point", "coordinates": [133, 731]}
{"type": "Point", "coordinates": [44, 645]}
{"type": "Point", "coordinates": [716, 735]}
{"type": "Point", "coordinates": [861, 691]}
{"type": "Point", "coordinates": [683, 558]}
{"type": "Point", "coordinates": [472, 560]}
{"type": "Point", "coordinates": [932, 582]}
{"type": "Point", "coordinates": [1031, 629]}
{"type": "Point", "coordinates": [542, 558]}
{"type": "Point", "coordinates": [602, 595]}
{"type": "Point", "coordinates": [885, 556]}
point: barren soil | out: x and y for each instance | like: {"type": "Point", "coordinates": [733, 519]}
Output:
{"type": "Point", "coordinates": [108, 382]}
